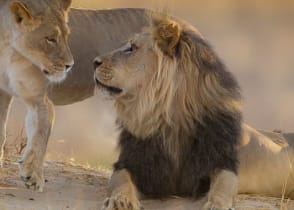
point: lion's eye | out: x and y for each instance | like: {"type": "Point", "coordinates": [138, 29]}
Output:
{"type": "Point", "coordinates": [132, 48]}
{"type": "Point", "coordinates": [51, 40]}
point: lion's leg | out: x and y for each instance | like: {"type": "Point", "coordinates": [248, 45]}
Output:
{"type": "Point", "coordinates": [5, 101]}
{"type": "Point", "coordinates": [223, 188]}
{"type": "Point", "coordinates": [38, 124]}
{"type": "Point", "coordinates": [123, 193]}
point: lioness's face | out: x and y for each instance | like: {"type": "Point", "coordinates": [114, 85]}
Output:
{"type": "Point", "coordinates": [42, 37]}
{"type": "Point", "coordinates": [125, 70]}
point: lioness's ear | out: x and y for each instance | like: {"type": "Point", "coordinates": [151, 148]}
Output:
{"type": "Point", "coordinates": [66, 4]}
{"type": "Point", "coordinates": [167, 35]}
{"type": "Point", "coordinates": [21, 13]}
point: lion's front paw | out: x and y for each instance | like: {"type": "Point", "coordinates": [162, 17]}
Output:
{"type": "Point", "coordinates": [121, 203]}
{"type": "Point", "coordinates": [31, 172]}
{"type": "Point", "coordinates": [212, 206]}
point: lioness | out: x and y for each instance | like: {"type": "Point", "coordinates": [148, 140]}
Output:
{"type": "Point", "coordinates": [33, 51]}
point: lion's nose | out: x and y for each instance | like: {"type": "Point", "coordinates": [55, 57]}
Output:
{"type": "Point", "coordinates": [68, 67]}
{"type": "Point", "coordinates": [97, 62]}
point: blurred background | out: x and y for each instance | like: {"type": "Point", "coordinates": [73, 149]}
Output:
{"type": "Point", "coordinates": [255, 39]}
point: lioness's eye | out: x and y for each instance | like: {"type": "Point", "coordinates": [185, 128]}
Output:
{"type": "Point", "coordinates": [132, 48]}
{"type": "Point", "coordinates": [51, 40]}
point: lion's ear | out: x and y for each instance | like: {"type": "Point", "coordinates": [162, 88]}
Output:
{"type": "Point", "coordinates": [167, 35]}
{"type": "Point", "coordinates": [21, 13]}
{"type": "Point", "coordinates": [66, 4]}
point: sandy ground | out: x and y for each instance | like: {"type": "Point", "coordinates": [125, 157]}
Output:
{"type": "Point", "coordinates": [78, 188]}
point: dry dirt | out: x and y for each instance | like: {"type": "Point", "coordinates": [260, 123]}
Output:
{"type": "Point", "coordinates": [74, 187]}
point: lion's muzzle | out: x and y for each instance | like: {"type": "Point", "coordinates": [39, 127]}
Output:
{"type": "Point", "coordinates": [97, 62]}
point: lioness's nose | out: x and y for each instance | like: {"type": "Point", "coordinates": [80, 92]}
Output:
{"type": "Point", "coordinates": [97, 62]}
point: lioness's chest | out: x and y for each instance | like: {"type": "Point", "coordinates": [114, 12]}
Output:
{"type": "Point", "coordinates": [18, 76]}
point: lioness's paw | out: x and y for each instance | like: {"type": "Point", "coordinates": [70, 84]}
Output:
{"type": "Point", "coordinates": [211, 206]}
{"type": "Point", "coordinates": [32, 174]}
{"type": "Point", "coordinates": [121, 203]}
{"type": "Point", "coordinates": [34, 182]}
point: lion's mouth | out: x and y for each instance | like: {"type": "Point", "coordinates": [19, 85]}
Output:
{"type": "Point", "coordinates": [110, 89]}
{"type": "Point", "coordinates": [55, 77]}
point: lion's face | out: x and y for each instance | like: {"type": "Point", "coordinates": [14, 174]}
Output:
{"type": "Point", "coordinates": [136, 68]}
{"type": "Point", "coordinates": [165, 74]}
{"type": "Point", "coordinates": [41, 36]}
{"type": "Point", "coordinates": [126, 69]}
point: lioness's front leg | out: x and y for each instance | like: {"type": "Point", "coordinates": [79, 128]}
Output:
{"type": "Point", "coordinates": [38, 124]}
{"type": "Point", "coordinates": [224, 186]}
{"type": "Point", "coordinates": [5, 101]}
{"type": "Point", "coordinates": [123, 193]}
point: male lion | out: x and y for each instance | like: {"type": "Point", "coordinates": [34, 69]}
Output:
{"type": "Point", "coordinates": [33, 48]}
{"type": "Point", "coordinates": [265, 157]}
{"type": "Point", "coordinates": [180, 113]}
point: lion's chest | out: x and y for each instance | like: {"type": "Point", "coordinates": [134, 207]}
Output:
{"type": "Point", "coordinates": [157, 174]}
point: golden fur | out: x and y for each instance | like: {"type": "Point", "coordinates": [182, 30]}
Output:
{"type": "Point", "coordinates": [33, 51]}
{"type": "Point", "coordinates": [167, 87]}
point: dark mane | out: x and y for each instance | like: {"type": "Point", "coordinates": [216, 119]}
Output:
{"type": "Point", "coordinates": [206, 127]}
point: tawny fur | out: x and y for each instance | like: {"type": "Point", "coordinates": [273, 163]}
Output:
{"type": "Point", "coordinates": [171, 88]}
{"type": "Point", "coordinates": [33, 51]}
